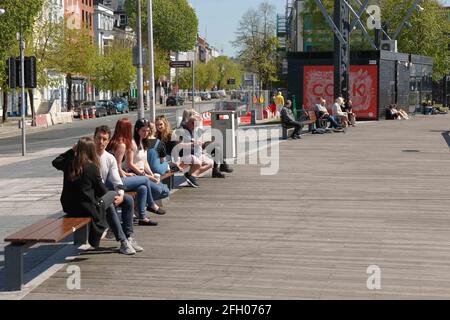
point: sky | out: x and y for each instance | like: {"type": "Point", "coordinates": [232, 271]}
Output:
{"type": "Point", "coordinates": [219, 19]}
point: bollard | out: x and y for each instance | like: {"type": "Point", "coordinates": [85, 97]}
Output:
{"type": "Point", "coordinates": [93, 113]}
{"type": "Point", "coordinates": [81, 114]}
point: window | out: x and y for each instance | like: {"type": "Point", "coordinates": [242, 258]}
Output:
{"type": "Point", "coordinates": [82, 15]}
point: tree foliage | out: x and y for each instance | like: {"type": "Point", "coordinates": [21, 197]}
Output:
{"type": "Point", "coordinates": [18, 13]}
{"type": "Point", "coordinates": [215, 73]}
{"type": "Point", "coordinates": [257, 43]}
{"type": "Point", "coordinates": [114, 70]}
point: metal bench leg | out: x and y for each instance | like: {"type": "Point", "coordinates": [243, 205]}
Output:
{"type": "Point", "coordinates": [284, 133]}
{"type": "Point", "coordinates": [80, 237]}
{"type": "Point", "coordinates": [14, 267]}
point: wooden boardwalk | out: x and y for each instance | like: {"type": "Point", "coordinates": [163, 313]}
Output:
{"type": "Point", "coordinates": [378, 195]}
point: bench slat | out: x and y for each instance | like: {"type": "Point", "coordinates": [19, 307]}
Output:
{"type": "Point", "coordinates": [28, 230]}
{"type": "Point", "coordinates": [69, 226]}
{"type": "Point", "coordinates": [52, 232]}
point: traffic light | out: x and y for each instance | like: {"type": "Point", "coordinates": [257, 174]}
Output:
{"type": "Point", "coordinates": [14, 74]}
{"type": "Point", "coordinates": [30, 72]}
{"type": "Point", "coordinates": [231, 81]}
{"type": "Point", "coordinates": [11, 72]}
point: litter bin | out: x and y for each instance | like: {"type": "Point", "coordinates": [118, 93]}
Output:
{"type": "Point", "coordinates": [227, 123]}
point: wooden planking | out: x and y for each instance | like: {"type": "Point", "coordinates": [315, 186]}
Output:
{"type": "Point", "coordinates": [17, 236]}
{"type": "Point", "coordinates": [339, 203]}
{"type": "Point", "coordinates": [49, 230]}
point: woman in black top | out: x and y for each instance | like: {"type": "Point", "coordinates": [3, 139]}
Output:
{"type": "Point", "coordinates": [84, 194]}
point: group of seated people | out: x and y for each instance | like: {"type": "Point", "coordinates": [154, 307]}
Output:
{"type": "Point", "coordinates": [99, 171]}
{"type": "Point", "coordinates": [393, 112]}
{"type": "Point", "coordinates": [342, 116]}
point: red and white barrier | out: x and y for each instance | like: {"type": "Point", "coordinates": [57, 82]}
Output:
{"type": "Point", "coordinates": [40, 120]}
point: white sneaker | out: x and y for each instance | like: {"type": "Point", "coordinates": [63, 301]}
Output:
{"type": "Point", "coordinates": [135, 245]}
{"type": "Point", "coordinates": [126, 248]}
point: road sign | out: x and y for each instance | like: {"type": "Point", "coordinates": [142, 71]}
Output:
{"type": "Point", "coordinates": [231, 81]}
{"type": "Point", "coordinates": [180, 64]}
{"type": "Point", "coordinates": [255, 100]}
{"type": "Point", "coordinates": [261, 99]}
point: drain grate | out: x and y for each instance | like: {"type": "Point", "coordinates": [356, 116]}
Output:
{"type": "Point", "coordinates": [411, 151]}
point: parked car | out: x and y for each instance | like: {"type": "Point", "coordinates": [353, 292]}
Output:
{"type": "Point", "coordinates": [215, 95]}
{"type": "Point", "coordinates": [108, 105]}
{"type": "Point", "coordinates": [100, 111]}
{"type": "Point", "coordinates": [121, 105]}
{"type": "Point", "coordinates": [132, 104]}
{"type": "Point", "coordinates": [174, 101]}
{"type": "Point", "coordinates": [205, 96]}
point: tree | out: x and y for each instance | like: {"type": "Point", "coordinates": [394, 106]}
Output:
{"type": "Point", "coordinates": [18, 13]}
{"type": "Point", "coordinates": [257, 42]}
{"type": "Point", "coordinates": [114, 71]}
{"type": "Point", "coordinates": [428, 34]}
{"type": "Point", "coordinates": [226, 69]}
{"type": "Point", "coordinates": [175, 27]}
{"type": "Point", "coordinates": [74, 54]}
{"type": "Point", "coordinates": [214, 73]}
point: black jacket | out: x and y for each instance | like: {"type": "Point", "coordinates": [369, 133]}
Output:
{"type": "Point", "coordinates": [80, 198]}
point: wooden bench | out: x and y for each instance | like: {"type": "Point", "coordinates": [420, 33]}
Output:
{"type": "Point", "coordinates": [49, 230]}
{"type": "Point", "coordinates": [310, 123]}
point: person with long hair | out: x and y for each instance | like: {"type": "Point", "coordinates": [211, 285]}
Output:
{"type": "Point", "coordinates": [85, 195]}
{"type": "Point", "coordinates": [121, 146]}
{"type": "Point", "coordinates": [137, 161]}
{"type": "Point", "coordinates": [173, 147]}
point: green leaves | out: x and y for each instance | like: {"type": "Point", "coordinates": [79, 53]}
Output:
{"type": "Point", "coordinates": [214, 73]}
{"type": "Point", "coordinates": [175, 23]}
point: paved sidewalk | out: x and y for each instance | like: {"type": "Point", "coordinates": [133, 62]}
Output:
{"type": "Point", "coordinates": [377, 195]}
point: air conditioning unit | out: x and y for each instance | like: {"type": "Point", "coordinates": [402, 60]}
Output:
{"type": "Point", "coordinates": [389, 45]}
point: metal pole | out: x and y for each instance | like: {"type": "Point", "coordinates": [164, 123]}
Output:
{"type": "Point", "coordinates": [193, 76]}
{"type": "Point", "coordinates": [139, 71]}
{"type": "Point", "coordinates": [151, 66]}
{"type": "Point", "coordinates": [22, 86]}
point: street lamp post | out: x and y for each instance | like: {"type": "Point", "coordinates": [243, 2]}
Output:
{"type": "Point", "coordinates": [22, 87]}
{"type": "Point", "coordinates": [139, 71]}
{"type": "Point", "coordinates": [150, 61]}
{"type": "Point", "coordinates": [193, 76]}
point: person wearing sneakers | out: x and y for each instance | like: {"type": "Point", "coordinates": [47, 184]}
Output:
{"type": "Point", "coordinates": [110, 176]}
{"type": "Point", "coordinates": [121, 146]}
{"type": "Point", "coordinates": [85, 195]}
{"type": "Point", "coordinates": [194, 155]}
{"type": "Point", "coordinates": [212, 148]}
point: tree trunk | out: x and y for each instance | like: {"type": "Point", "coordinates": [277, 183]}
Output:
{"type": "Point", "coordinates": [5, 106]}
{"type": "Point", "coordinates": [69, 92]}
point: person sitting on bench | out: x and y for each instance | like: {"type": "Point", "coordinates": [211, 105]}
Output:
{"type": "Point", "coordinates": [85, 195]}
{"type": "Point", "coordinates": [323, 114]}
{"type": "Point", "coordinates": [348, 107]}
{"type": "Point", "coordinates": [110, 176]}
{"type": "Point", "coordinates": [213, 148]}
{"type": "Point", "coordinates": [340, 115]}
{"type": "Point", "coordinates": [287, 119]}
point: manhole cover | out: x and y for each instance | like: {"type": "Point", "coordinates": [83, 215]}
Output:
{"type": "Point", "coordinates": [411, 150]}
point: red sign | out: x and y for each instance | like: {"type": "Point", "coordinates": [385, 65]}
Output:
{"type": "Point", "coordinates": [318, 81]}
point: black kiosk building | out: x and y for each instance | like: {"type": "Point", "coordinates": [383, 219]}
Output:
{"type": "Point", "coordinates": [376, 79]}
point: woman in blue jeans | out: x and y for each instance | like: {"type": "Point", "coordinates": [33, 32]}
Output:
{"type": "Point", "coordinates": [148, 190]}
